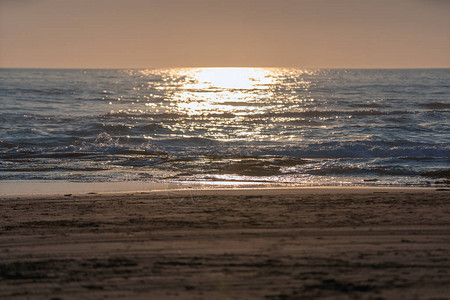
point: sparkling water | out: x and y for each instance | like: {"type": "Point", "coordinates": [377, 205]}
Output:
{"type": "Point", "coordinates": [226, 126]}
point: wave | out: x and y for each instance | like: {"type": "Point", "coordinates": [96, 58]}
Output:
{"type": "Point", "coordinates": [45, 92]}
{"type": "Point", "coordinates": [436, 105]}
{"type": "Point", "coordinates": [153, 128]}
{"type": "Point", "coordinates": [6, 145]}
{"type": "Point", "coordinates": [116, 122]}
{"type": "Point", "coordinates": [363, 149]}
{"type": "Point", "coordinates": [380, 171]}
{"type": "Point", "coordinates": [133, 115]}
{"type": "Point", "coordinates": [105, 143]}
{"type": "Point", "coordinates": [50, 169]}
{"type": "Point", "coordinates": [256, 166]}
{"type": "Point", "coordinates": [368, 105]}
{"type": "Point", "coordinates": [121, 129]}
{"type": "Point", "coordinates": [32, 154]}
{"type": "Point", "coordinates": [190, 142]}
{"type": "Point", "coordinates": [113, 128]}
{"type": "Point", "coordinates": [307, 113]}
{"type": "Point", "coordinates": [437, 174]}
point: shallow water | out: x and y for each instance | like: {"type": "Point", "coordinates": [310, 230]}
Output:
{"type": "Point", "coordinates": [288, 126]}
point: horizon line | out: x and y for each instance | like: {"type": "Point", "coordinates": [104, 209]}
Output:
{"type": "Point", "coordinates": [227, 67]}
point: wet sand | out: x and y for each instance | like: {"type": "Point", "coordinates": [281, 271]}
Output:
{"type": "Point", "coordinates": [318, 243]}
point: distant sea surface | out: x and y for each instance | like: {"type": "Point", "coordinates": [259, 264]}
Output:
{"type": "Point", "coordinates": [227, 126]}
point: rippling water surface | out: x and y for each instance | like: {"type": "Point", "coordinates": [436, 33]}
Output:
{"type": "Point", "coordinates": [222, 125]}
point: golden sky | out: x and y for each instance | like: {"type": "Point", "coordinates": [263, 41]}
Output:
{"type": "Point", "coordinates": [211, 33]}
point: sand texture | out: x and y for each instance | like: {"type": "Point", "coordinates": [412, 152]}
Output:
{"type": "Point", "coordinates": [232, 244]}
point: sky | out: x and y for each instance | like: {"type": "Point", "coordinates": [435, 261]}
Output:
{"type": "Point", "coordinates": [225, 33]}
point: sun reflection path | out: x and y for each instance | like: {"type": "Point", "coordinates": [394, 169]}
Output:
{"type": "Point", "coordinates": [223, 90]}
{"type": "Point", "coordinates": [226, 104]}
{"type": "Point", "coordinates": [232, 78]}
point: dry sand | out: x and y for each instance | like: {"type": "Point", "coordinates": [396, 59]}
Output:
{"type": "Point", "coordinates": [319, 243]}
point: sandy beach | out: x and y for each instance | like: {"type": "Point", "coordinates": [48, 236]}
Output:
{"type": "Point", "coordinates": [306, 243]}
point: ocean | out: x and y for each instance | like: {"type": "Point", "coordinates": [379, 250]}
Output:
{"type": "Point", "coordinates": [226, 126]}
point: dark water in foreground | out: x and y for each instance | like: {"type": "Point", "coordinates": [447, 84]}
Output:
{"type": "Point", "coordinates": [302, 127]}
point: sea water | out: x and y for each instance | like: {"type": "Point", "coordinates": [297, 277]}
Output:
{"type": "Point", "coordinates": [226, 126]}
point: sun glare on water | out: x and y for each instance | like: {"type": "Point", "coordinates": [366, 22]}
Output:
{"type": "Point", "coordinates": [232, 78]}
{"type": "Point", "coordinates": [220, 89]}
{"type": "Point", "coordinates": [228, 103]}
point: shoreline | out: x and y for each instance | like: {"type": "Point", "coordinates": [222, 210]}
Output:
{"type": "Point", "coordinates": [285, 243]}
{"type": "Point", "coordinates": [13, 188]}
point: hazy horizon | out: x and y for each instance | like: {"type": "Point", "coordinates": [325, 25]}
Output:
{"type": "Point", "coordinates": [219, 67]}
{"type": "Point", "coordinates": [344, 34]}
